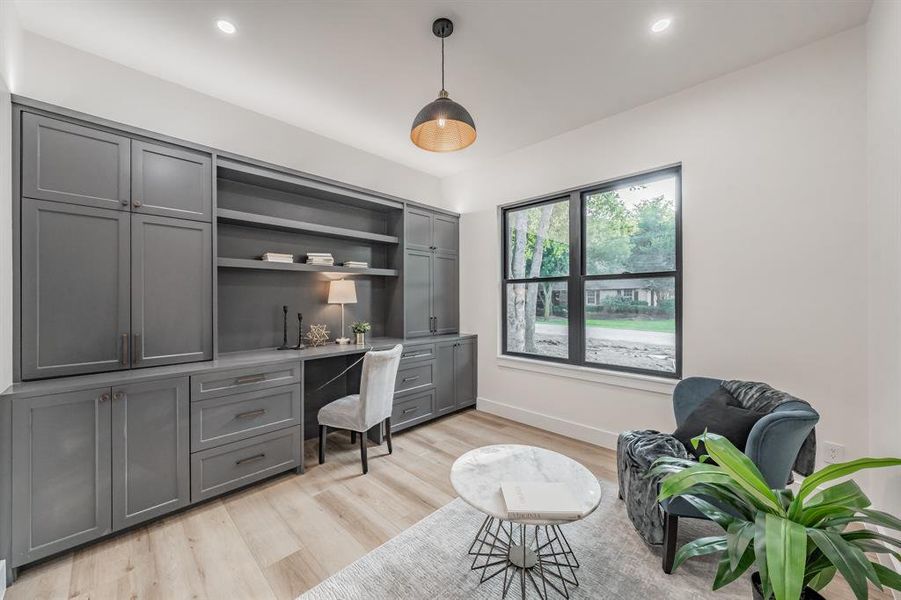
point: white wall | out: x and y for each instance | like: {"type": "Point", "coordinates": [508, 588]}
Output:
{"type": "Point", "coordinates": [884, 179]}
{"type": "Point", "coordinates": [59, 74]}
{"type": "Point", "coordinates": [9, 52]}
{"type": "Point", "coordinates": [774, 220]}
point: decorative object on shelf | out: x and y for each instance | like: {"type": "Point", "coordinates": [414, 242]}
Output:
{"type": "Point", "coordinates": [443, 125]}
{"type": "Point", "coordinates": [300, 344]}
{"type": "Point", "coordinates": [360, 328]}
{"type": "Point", "coordinates": [318, 335]}
{"type": "Point", "coordinates": [284, 345]}
{"type": "Point", "coordinates": [278, 257]}
{"type": "Point", "coordinates": [796, 540]}
{"type": "Point", "coordinates": [342, 292]}
{"type": "Point", "coordinates": [320, 258]}
{"type": "Point", "coordinates": [356, 264]}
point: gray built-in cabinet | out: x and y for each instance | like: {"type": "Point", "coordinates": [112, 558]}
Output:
{"type": "Point", "coordinates": [145, 378]}
{"type": "Point", "coordinates": [90, 462]}
{"type": "Point", "coordinates": [431, 269]}
{"type": "Point", "coordinates": [116, 258]}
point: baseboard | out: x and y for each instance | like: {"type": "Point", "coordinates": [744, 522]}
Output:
{"type": "Point", "coordinates": [578, 431]}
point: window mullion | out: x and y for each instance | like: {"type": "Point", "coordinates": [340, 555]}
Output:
{"type": "Point", "coordinates": [574, 284]}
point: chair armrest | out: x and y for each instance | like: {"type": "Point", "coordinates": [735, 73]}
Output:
{"type": "Point", "coordinates": [775, 440]}
{"type": "Point", "coordinates": [690, 392]}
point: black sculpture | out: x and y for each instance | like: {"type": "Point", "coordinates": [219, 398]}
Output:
{"type": "Point", "coordinates": [284, 345]}
{"type": "Point", "coordinates": [300, 345]}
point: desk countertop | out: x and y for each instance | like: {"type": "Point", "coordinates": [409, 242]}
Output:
{"type": "Point", "coordinates": [230, 360]}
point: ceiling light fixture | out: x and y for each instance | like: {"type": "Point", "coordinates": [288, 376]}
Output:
{"type": "Point", "coordinates": [443, 125]}
{"type": "Point", "coordinates": [226, 26]}
{"type": "Point", "coordinates": [661, 25]}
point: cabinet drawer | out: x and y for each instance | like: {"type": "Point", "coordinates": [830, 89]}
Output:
{"type": "Point", "coordinates": [417, 353]}
{"type": "Point", "coordinates": [231, 466]}
{"type": "Point", "coordinates": [415, 376]}
{"type": "Point", "coordinates": [247, 379]}
{"type": "Point", "coordinates": [412, 409]}
{"type": "Point", "coordinates": [217, 421]}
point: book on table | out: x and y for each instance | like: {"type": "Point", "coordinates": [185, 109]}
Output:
{"type": "Point", "coordinates": [540, 501]}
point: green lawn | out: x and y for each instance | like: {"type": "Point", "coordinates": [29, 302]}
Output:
{"type": "Point", "coordinates": [662, 325]}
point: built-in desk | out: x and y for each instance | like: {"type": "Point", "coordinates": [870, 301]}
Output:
{"type": "Point", "coordinates": [130, 446]}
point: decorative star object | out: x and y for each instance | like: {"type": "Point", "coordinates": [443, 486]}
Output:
{"type": "Point", "coordinates": [318, 335]}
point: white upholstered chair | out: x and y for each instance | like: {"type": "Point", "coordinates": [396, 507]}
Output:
{"type": "Point", "coordinates": [358, 413]}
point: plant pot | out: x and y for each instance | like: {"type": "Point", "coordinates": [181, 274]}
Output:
{"type": "Point", "coordinates": [360, 338]}
{"type": "Point", "coordinates": [806, 593]}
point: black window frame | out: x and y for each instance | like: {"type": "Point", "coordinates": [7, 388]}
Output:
{"type": "Point", "coordinates": [577, 276]}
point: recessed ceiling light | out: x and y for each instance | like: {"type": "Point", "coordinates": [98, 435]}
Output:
{"type": "Point", "coordinates": [226, 26]}
{"type": "Point", "coordinates": [661, 25]}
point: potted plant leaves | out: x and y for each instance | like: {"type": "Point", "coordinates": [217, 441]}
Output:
{"type": "Point", "coordinates": [794, 541]}
{"type": "Point", "coordinates": [360, 328]}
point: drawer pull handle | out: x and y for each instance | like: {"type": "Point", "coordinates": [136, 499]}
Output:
{"type": "Point", "coordinates": [250, 459]}
{"type": "Point", "coordinates": [415, 354]}
{"type": "Point", "coordinates": [414, 378]}
{"type": "Point", "coordinates": [251, 379]}
{"type": "Point", "coordinates": [409, 410]}
{"type": "Point", "coordinates": [251, 413]}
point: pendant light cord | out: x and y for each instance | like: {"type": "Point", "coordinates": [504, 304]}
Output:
{"type": "Point", "coordinates": [442, 64]}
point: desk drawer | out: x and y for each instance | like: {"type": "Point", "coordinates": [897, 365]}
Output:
{"type": "Point", "coordinates": [217, 421]}
{"type": "Point", "coordinates": [412, 409]}
{"type": "Point", "coordinates": [231, 466]}
{"type": "Point", "coordinates": [414, 376]}
{"type": "Point", "coordinates": [416, 353]}
{"type": "Point", "coordinates": [247, 379]}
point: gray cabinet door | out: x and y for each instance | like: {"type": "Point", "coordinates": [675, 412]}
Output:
{"type": "Point", "coordinates": [75, 289]}
{"type": "Point", "coordinates": [419, 229]}
{"type": "Point", "coordinates": [446, 233]}
{"type": "Point", "coordinates": [171, 182]}
{"type": "Point", "coordinates": [418, 293]}
{"type": "Point", "coordinates": [65, 162]}
{"type": "Point", "coordinates": [445, 393]}
{"type": "Point", "coordinates": [150, 450]}
{"type": "Point", "coordinates": [445, 294]}
{"type": "Point", "coordinates": [172, 298]}
{"type": "Point", "coordinates": [465, 372]}
{"type": "Point", "coordinates": [60, 472]}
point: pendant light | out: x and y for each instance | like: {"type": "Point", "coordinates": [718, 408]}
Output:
{"type": "Point", "coordinates": [443, 125]}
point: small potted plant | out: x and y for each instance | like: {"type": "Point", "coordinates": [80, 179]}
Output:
{"type": "Point", "coordinates": [360, 328]}
{"type": "Point", "coordinates": [795, 541]}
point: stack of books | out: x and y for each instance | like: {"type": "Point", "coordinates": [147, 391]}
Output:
{"type": "Point", "coordinates": [540, 501]}
{"type": "Point", "coordinates": [320, 258]}
{"type": "Point", "coordinates": [278, 257]}
{"type": "Point", "coordinates": [356, 264]}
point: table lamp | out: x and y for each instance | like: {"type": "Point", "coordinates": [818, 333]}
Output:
{"type": "Point", "coordinates": [342, 292]}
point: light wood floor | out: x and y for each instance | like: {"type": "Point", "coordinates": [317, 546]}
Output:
{"type": "Point", "coordinates": [280, 538]}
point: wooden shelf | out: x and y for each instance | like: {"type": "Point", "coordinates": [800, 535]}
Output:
{"type": "Point", "coordinates": [249, 263]}
{"type": "Point", "coordinates": [236, 217]}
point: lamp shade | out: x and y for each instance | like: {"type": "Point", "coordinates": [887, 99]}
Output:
{"type": "Point", "coordinates": [342, 291]}
{"type": "Point", "coordinates": [443, 126]}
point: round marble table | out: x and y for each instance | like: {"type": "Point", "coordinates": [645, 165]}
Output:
{"type": "Point", "coordinates": [534, 551]}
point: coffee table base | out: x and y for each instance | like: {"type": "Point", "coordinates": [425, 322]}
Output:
{"type": "Point", "coordinates": [539, 556]}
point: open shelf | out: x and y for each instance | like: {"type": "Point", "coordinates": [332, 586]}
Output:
{"type": "Point", "coordinates": [249, 263]}
{"type": "Point", "coordinates": [246, 219]}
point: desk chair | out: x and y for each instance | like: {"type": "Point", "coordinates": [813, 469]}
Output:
{"type": "Point", "coordinates": [358, 413]}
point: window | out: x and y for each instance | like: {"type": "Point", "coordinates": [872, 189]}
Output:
{"type": "Point", "coordinates": [614, 301]}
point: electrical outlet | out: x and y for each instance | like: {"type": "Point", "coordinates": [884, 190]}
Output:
{"type": "Point", "coordinates": [833, 453]}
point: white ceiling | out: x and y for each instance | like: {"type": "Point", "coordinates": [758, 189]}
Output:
{"type": "Point", "coordinates": [358, 72]}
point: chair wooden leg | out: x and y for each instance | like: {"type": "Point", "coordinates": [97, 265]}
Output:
{"type": "Point", "coordinates": [388, 434]}
{"type": "Point", "coordinates": [363, 453]}
{"type": "Point", "coordinates": [322, 444]}
{"type": "Point", "coordinates": [353, 437]}
{"type": "Point", "coordinates": [670, 537]}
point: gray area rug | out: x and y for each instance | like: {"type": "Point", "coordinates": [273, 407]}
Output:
{"type": "Point", "coordinates": [429, 561]}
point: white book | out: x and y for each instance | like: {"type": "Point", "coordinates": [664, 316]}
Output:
{"type": "Point", "coordinates": [319, 255]}
{"type": "Point", "coordinates": [540, 501]}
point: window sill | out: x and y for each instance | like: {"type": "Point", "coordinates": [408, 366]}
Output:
{"type": "Point", "coordinates": [635, 381]}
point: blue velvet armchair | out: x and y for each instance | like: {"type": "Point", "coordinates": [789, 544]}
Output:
{"type": "Point", "coordinates": [773, 445]}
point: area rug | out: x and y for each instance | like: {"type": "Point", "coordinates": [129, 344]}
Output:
{"type": "Point", "coordinates": [429, 561]}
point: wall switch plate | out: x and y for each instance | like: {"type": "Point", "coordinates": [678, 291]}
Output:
{"type": "Point", "coordinates": [833, 453]}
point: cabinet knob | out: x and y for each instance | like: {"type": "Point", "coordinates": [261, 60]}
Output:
{"type": "Point", "coordinates": [104, 397]}
{"type": "Point", "coordinates": [136, 204]}
{"type": "Point", "coordinates": [118, 396]}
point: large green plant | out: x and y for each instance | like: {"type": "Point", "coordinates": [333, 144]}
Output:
{"type": "Point", "coordinates": [792, 539]}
